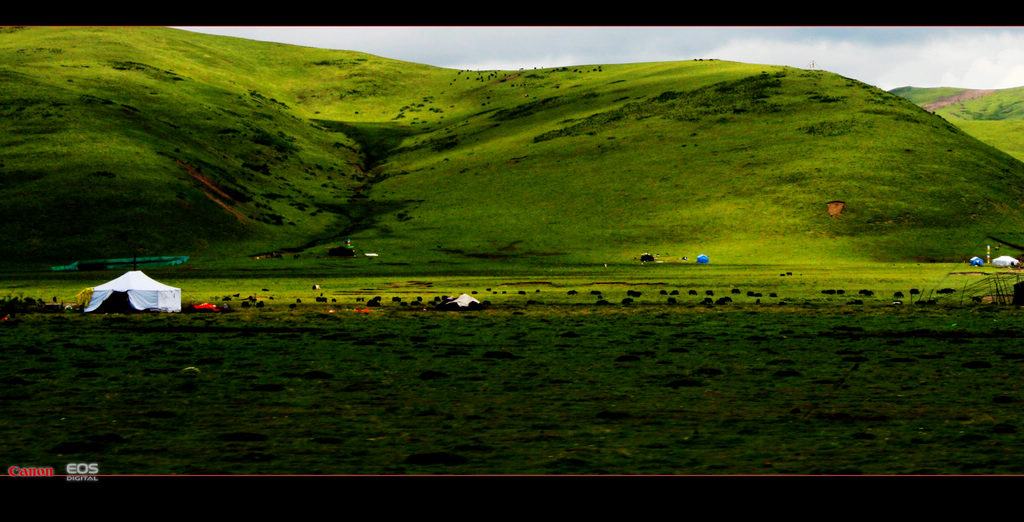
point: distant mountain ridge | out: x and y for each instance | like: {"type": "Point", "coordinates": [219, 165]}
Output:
{"type": "Point", "coordinates": [994, 116]}
{"type": "Point", "coordinates": [968, 104]}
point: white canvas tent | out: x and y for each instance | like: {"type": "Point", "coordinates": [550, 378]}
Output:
{"type": "Point", "coordinates": [463, 302]}
{"type": "Point", "coordinates": [1005, 261]}
{"type": "Point", "coordinates": [143, 293]}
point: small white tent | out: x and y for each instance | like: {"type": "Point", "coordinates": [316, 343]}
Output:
{"type": "Point", "coordinates": [463, 302]}
{"type": "Point", "coordinates": [143, 293]}
{"type": "Point", "coordinates": [1005, 261]}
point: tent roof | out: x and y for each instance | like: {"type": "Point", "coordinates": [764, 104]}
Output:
{"type": "Point", "coordinates": [465, 299]}
{"type": "Point", "coordinates": [463, 302]}
{"type": "Point", "coordinates": [133, 280]}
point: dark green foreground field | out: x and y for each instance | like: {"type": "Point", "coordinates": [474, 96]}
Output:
{"type": "Point", "coordinates": [540, 382]}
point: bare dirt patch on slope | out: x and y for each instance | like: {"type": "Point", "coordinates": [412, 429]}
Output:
{"type": "Point", "coordinates": [962, 96]}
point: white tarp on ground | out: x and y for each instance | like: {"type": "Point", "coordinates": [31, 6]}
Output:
{"type": "Point", "coordinates": [1005, 261]}
{"type": "Point", "coordinates": [143, 293]}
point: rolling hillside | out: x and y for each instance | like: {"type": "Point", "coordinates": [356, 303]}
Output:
{"type": "Point", "coordinates": [164, 142]}
{"type": "Point", "coordinates": [994, 116]}
{"type": "Point", "coordinates": [968, 104]}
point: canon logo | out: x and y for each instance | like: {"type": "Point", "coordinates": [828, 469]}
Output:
{"type": "Point", "coordinates": [18, 471]}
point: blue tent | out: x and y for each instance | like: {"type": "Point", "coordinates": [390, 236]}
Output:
{"type": "Point", "coordinates": [703, 259]}
{"type": "Point", "coordinates": [976, 261]}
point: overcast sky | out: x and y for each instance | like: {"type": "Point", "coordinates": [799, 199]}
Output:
{"type": "Point", "coordinates": [887, 57]}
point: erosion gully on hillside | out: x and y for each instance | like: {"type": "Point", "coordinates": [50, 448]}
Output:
{"type": "Point", "coordinates": [374, 143]}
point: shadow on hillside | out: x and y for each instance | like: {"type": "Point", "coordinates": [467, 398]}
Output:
{"type": "Point", "coordinates": [376, 140]}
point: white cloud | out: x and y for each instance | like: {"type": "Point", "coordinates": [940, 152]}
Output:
{"type": "Point", "coordinates": [967, 58]}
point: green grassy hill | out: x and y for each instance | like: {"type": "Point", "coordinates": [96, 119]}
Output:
{"type": "Point", "coordinates": [164, 142]}
{"type": "Point", "coordinates": [969, 104]}
{"type": "Point", "coordinates": [994, 116]}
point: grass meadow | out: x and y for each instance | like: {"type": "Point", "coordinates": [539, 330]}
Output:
{"type": "Point", "coordinates": [550, 378]}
